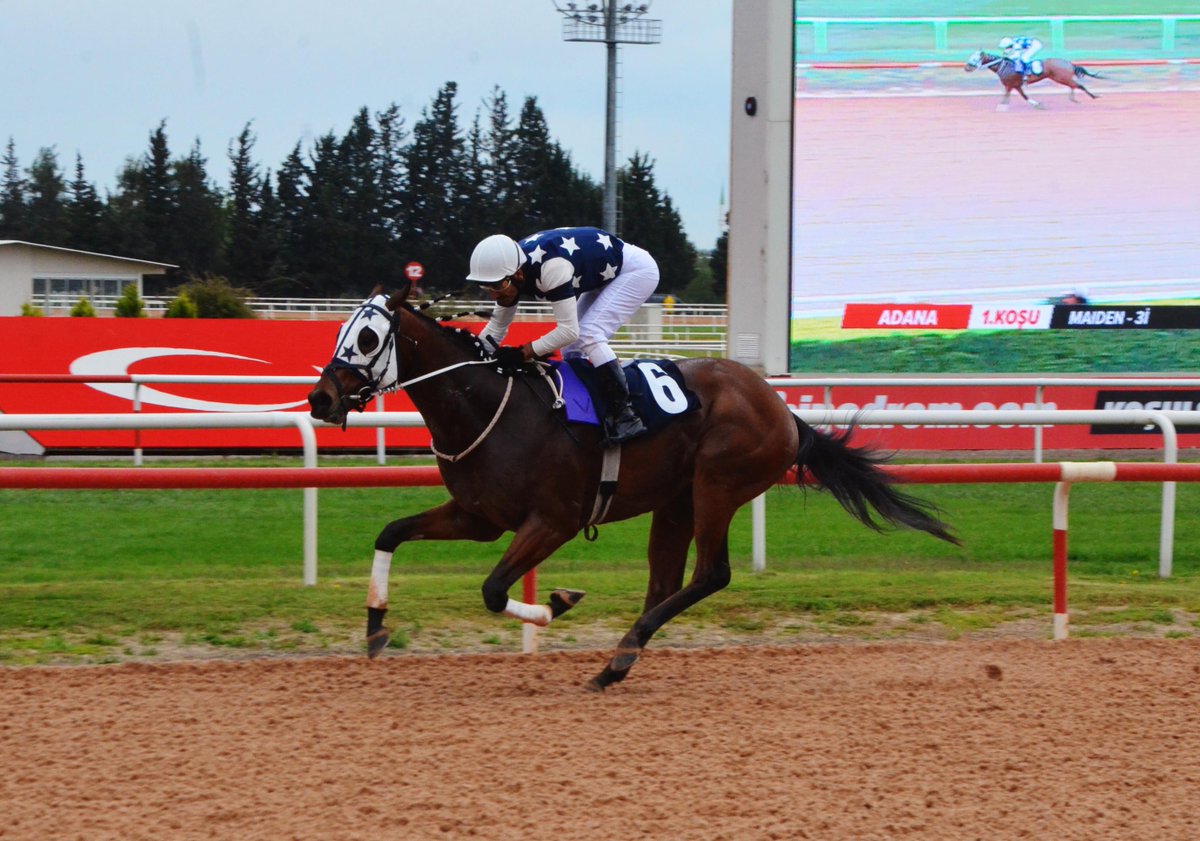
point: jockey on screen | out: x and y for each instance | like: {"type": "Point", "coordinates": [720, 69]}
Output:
{"type": "Point", "coordinates": [594, 281]}
{"type": "Point", "coordinates": [1022, 49]}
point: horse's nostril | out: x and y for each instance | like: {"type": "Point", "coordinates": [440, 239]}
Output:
{"type": "Point", "coordinates": [319, 402]}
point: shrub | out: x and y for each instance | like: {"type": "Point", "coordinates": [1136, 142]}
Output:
{"type": "Point", "coordinates": [83, 309]}
{"type": "Point", "coordinates": [28, 309]}
{"type": "Point", "coordinates": [130, 304]}
{"type": "Point", "coordinates": [181, 307]}
{"type": "Point", "coordinates": [215, 297]}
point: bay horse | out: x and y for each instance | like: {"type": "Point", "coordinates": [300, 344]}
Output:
{"type": "Point", "coordinates": [1055, 69]}
{"type": "Point", "coordinates": [511, 463]}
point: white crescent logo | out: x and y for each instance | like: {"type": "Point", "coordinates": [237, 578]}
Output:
{"type": "Point", "coordinates": [117, 361]}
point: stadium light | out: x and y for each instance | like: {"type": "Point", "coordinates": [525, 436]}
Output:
{"type": "Point", "coordinates": [609, 23]}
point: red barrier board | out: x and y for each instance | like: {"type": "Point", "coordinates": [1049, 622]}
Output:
{"type": "Point", "coordinates": [114, 346]}
{"type": "Point", "coordinates": [117, 346]}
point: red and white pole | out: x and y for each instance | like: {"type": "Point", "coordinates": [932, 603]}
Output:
{"type": "Point", "coordinates": [1062, 492]}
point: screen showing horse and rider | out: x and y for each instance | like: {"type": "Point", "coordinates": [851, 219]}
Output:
{"type": "Point", "coordinates": [942, 223]}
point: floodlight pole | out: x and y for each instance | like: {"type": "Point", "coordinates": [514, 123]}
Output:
{"type": "Point", "coordinates": [610, 119]}
{"type": "Point", "coordinates": [612, 24]}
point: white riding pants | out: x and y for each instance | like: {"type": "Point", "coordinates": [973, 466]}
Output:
{"type": "Point", "coordinates": [604, 311]}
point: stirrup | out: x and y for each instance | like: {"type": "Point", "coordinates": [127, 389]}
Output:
{"type": "Point", "coordinates": [623, 427]}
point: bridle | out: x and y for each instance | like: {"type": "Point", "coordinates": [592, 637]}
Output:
{"type": "Point", "coordinates": [380, 360]}
{"type": "Point", "coordinates": [383, 361]}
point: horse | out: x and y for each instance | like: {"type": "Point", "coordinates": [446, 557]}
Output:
{"type": "Point", "coordinates": [512, 464]}
{"type": "Point", "coordinates": [1055, 69]}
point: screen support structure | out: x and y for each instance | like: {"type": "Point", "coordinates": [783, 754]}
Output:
{"type": "Point", "coordinates": [760, 184]}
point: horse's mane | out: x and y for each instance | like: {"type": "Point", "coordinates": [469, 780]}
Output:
{"type": "Point", "coordinates": [465, 338]}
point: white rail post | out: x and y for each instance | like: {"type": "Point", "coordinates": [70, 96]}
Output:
{"type": "Point", "coordinates": [758, 533]}
{"type": "Point", "coordinates": [137, 433]}
{"type": "Point", "coordinates": [380, 444]}
{"type": "Point", "coordinates": [1166, 533]}
{"type": "Point", "coordinates": [309, 439]}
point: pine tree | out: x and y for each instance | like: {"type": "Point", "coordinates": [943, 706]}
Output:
{"type": "Point", "coordinates": [125, 225]}
{"type": "Point", "coordinates": [246, 253]}
{"type": "Point", "coordinates": [649, 219]}
{"type": "Point", "coordinates": [157, 195]}
{"type": "Point", "coordinates": [45, 203]}
{"type": "Point", "coordinates": [84, 217]}
{"type": "Point", "coordinates": [195, 221]}
{"type": "Point", "coordinates": [549, 190]}
{"type": "Point", "coordinates": [389, 150]}
{"type": "Point", "coordinates": [719, 262]}
{"type": "Point", "coordinates": [290, 224]}
{"type": "Point", "coordinates": [13, 220]}
{"type": "Point", "coordinates": [436, 194]}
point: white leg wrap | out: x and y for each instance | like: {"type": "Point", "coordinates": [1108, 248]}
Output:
{"type": "Point", "coordinates": [538, 614]}
{"type": "Point", "coordinates": [377, 591]}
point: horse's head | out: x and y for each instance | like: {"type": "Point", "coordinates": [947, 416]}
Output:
{"type": "Point", "coordinates": [973, 61]}
{"type": "Point", "coordinates": [364, 359]}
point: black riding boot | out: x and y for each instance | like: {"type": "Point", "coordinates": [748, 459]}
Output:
{"type": "Point", "coordinates": [621, 423]}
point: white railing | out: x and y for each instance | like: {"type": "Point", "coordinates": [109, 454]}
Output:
{"type": "Point", "coordinates": [1166, 421]}
{"type": "Point", "coordinates": [661, 330]}
{"type": "Point", "coordinates": [941, 26]}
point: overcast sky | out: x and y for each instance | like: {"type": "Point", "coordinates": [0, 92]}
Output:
{"type": "Point", "coordinates": [97, 77]}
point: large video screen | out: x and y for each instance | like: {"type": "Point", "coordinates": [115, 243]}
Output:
{"type": "Point", "coordinates": [944, 222]}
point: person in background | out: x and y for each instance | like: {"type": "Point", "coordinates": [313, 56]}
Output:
{"type": "Point", "coordinates": [593, 280]}
{"type": "Point", "coordinates": [1022, 49]}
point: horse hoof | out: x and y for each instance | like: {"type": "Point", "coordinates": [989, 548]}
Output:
{"type": "Point", "coordinates": [594, 685]}
{"type": "Point", "coordinates": [1038, 105]}
{"type": "Point", "coordinates": [377, 642]}
{"type": "Point", "coordinates": [563, 600]}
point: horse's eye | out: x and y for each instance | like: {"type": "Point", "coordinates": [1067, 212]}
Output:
{"type": "Point", "coordinates": [368, 340]}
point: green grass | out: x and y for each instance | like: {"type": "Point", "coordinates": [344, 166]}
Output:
{"type": "Point", "coordinates": [1048, 351]}
{"type": "Point", "coordinates": [93, 576]}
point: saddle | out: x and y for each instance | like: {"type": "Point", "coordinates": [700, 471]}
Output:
{"type": "Point", "coordinates": [656, 390]}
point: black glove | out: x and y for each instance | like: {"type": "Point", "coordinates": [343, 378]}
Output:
{"type": "Point", "coordinates": [509, 359]}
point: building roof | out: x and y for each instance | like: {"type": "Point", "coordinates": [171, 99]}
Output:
{"type": "Point", "coordinates": [4, 242]}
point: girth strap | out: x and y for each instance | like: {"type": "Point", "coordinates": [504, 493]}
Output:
{"type": "Point", "coordinates": [610, 468]}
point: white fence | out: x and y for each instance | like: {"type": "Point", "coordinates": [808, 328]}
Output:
{"type": "Point", "coordinates": [1165, 421]}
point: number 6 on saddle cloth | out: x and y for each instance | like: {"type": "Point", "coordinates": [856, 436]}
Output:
{"type": "Point", "coordinates": [656, 389]}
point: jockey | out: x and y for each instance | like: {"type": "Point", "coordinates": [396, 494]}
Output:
{"type": "Point", "coordinates": [1021, 49]}
{"type": "Point", "coordinates": [594, 282]}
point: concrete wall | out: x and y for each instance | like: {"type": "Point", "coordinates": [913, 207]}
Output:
{"type": "Point", "coordinates": [760, 180]}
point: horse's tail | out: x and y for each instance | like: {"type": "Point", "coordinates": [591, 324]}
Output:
{"type": "Point", "coordinates": [1081, 71]}
{"type": "Point", "coordinates": [853, 476]}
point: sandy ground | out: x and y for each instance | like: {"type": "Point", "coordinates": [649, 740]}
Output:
{"type": "Point", "coordinates": [1085, 739]}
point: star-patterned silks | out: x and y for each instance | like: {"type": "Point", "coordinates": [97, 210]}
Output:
{"type": "Point", "coordinates": [595, 257]}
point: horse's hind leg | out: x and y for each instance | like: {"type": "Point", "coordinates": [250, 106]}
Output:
{"type": "Point", "coordinates": [671, 532]}
{"type": "Point", "coordinates": [1085, 90]}
{"type": "Point", "coordinates": [446, 522]}
{"type": "Point", "coordinates": [710, 575]}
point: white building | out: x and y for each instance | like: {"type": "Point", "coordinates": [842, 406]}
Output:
{"type": "Point", "coordinates": [50, 277]}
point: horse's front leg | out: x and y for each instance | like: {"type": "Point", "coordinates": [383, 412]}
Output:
{"type": "Point", "coordinates": [1003, 106]}
{"type": "Point", "coordinates": [446, 522]}
{"type": "Point", "coordinates": [533, 542]}
{"type": "Point", "coordinates": [1021, 90]}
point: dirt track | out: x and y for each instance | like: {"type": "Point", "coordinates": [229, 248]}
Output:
{"type": "Point", "coordinates": [1090, 739]}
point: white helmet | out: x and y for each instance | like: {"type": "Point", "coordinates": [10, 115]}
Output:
{"type": "Point", "coordinates": [1006, 43]}
{"type": "Point", "coordinates": [495, 258]}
